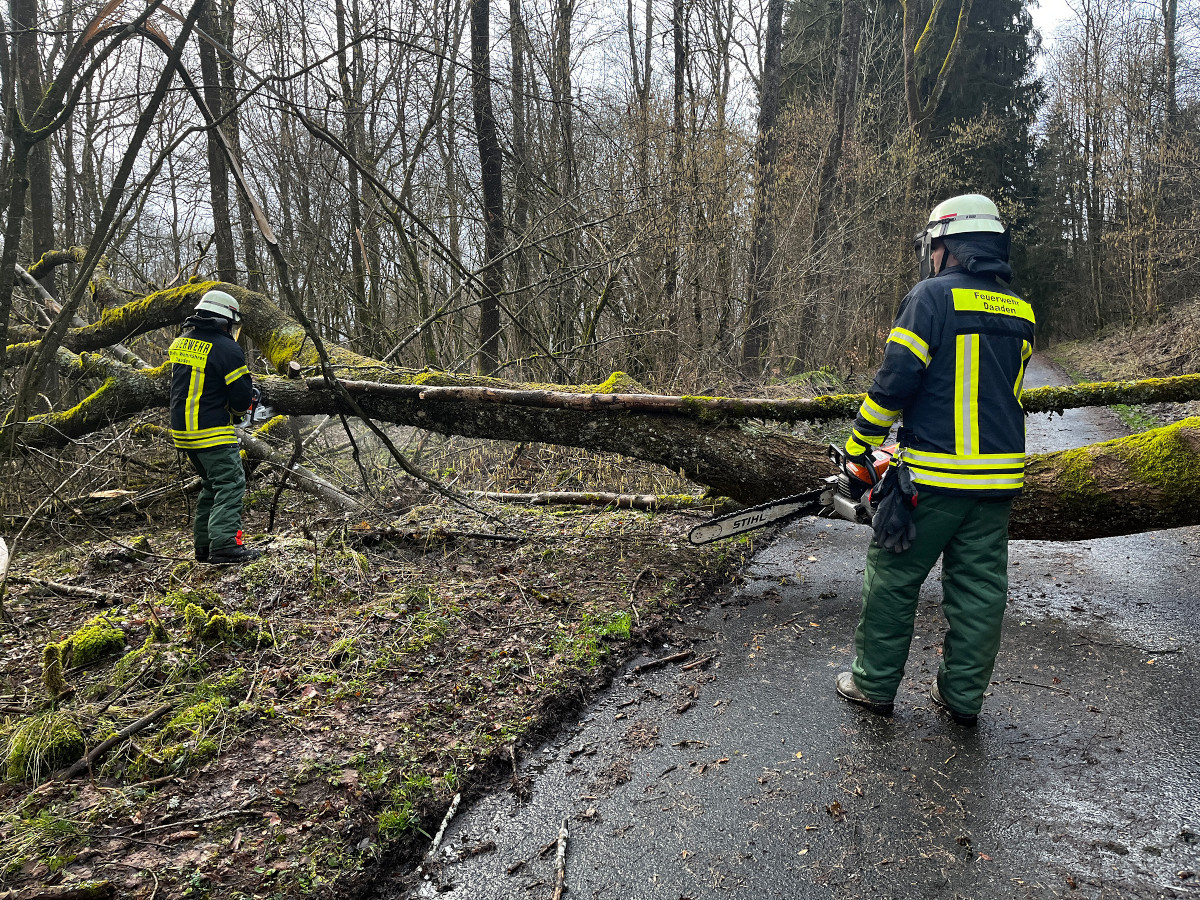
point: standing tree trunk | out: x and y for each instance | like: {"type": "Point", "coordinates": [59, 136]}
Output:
{"type": "Point", "coordinates": [762, 243]}
{"type": "Point", "coordinates": [351, 138]}
{"type": "Point", "coordinates": [521, 178]}
{"type": "Point", "coordinates": [562, 118]}
{"type": "Point", "coordinates": [233, 131]}
{"type": "Point", "coordinates": [29, 79]}
{"type": "Point", "coordinates": [921, 111]}
{"type": "Point", "coordinates": [1155, 220]}
{"type": "Point", "coordinates": [844, 84]}
{"type": "Point", "coordinates": [218, 173]}
{"type": "Point", "coordinates": [674, 202]}
{"type": "Point", "coordinates": [1170, 12]}
{"type": "Point", "coordinates": [492, 277]}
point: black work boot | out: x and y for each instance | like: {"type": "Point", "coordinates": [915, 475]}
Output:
{"type": "Point", "coordinates": [966, 720]}
{"type": "Point", "coordinates": [234, 553]}
{"type": "Point", "coordinates": [202, 554]}
{"type": "Point", "coordinates": [848, 689]}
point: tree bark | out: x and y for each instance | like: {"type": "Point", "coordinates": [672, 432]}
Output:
{"type": "Point", "coordinates": [233, 130]}
{"type": "Point", "coordinates": [29, 77]}
{"type": "Point", "coordinates": [351, 137]}
{"type": "Point", "coordinates": [218, 172]}
{"type": "Point", "coordinates": [762, 244]}
{"type": "Point", "coordinates": [1170, 12]}
{"type": "Point", "coordinates": [921, 111]}
{"type": "Point", "coordinates": [491, 174]}
{"type": "Point", "coordinates": [522, 178]}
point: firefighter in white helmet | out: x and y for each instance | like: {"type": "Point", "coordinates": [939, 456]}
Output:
{"type": "Point", "coordinates": [951, 376]}
{"type": "Point", "coordinates": [211, 392]}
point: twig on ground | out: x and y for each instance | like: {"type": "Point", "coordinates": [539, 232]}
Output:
{"type": "Point", "coordinates": [560, 862]}
{"type": "Point", "coordinates": [1048, 687]}
{"type": "Point", "coordinates": [242, 810]}
{"type": "Point", "coordinates": [655, 663]}
{"type": "Point", "coordinates": [69, 590]}
{"type": "Point", "coordinates": [699, 664]}
{"type": "Point", "coordinates": [88, 890]}
{"type": "Point", "coordinates": [441, 832]}
{"type": "Point", "coordinates": [100, 749]}
{"type": "Point", "coordinates": [483, 847]}
{"type": "Point", "coordinates": [633, 584]}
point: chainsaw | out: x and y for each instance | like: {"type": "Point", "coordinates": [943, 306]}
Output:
{"type": "Point", "coordinates": [846, 495]}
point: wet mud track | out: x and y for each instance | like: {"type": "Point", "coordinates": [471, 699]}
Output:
{"type": "Point", "coordinates": [746, 777]}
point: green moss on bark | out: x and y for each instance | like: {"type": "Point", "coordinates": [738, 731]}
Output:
{"type": "Point", "coordinates": [1164, 459]}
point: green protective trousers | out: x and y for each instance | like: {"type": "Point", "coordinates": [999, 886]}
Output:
{"type": "Point", "coordinates": [971, 536]}
{"type": "Point", "coordinates": [222, 488]}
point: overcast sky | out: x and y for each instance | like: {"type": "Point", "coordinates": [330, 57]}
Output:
{"type": "Point", "coordinates": [1047, 14]}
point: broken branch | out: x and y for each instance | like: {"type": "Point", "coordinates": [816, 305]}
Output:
{"type": "Point", "coordinates": [655, 663]}
{"type": "Point", "coordinates": [141, 724]}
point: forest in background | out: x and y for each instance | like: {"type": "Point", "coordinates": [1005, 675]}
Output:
{"type": "Point", "coordinates": [694, 192]}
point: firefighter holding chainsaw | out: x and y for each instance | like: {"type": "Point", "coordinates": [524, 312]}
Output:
{"type": "Point", "coordinates": [211, 391]}
{"type": "Point", "coordinates": [952, 374]}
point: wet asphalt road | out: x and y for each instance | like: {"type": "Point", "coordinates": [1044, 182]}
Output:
{"type": "Point", "coordinates": [1082, 779]}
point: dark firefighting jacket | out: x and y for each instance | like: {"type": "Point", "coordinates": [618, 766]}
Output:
{"type": "Point", "coordinates": [953, 368]}
{"type": "Point", "coordinates": [210, 386]}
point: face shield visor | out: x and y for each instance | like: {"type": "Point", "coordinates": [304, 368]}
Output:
{"type": "Point", "coordinates": [923, 245]}
{"type": "Point", "coordinates": [235, 326]}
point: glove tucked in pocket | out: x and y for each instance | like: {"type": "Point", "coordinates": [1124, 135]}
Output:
{"type": "Point", "coordinates": [894, 500]}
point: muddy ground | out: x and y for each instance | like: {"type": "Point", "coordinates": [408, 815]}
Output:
{"type": "Point", "coordinates": [746, 777]}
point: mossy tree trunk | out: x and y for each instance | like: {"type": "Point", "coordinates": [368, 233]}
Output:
{"type": "Point", "coordinates": [1143, 482]}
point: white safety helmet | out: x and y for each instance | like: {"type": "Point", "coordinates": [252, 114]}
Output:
{"type": "Point", "coordinates": [222, 304]}
{"type": "Point", "coordinates": [964, 214]}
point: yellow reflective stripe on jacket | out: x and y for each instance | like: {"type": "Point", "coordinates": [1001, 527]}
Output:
{"type": "Point", "coordinates": [979, 481]}
{"type": "Point", "coordinates": [872, 440]}
{"type": "Point", "coordinates": [204, 438]}
{"type": "Point", "coordinates": [1026, 352]}
{"type": "Point", "coordinates": [955, 462]}
{"type": "Point", "coordinates": [966, 394]}
{"type": "Point", "coordinates": [912, 341]}
{"type": "Point", "coordinates": [191, 409]}
{"type": "Point", "coordinates": [877, 415]}
{"type": "Point", "coordinates": [967, 300]}
{"type": "Point", "coordinates": [858, 443]}
{"type": "Point", "coordinates": [236, 374]}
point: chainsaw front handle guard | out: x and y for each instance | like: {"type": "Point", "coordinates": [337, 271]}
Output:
{"type": "Point", "coordinates": [881, 458]}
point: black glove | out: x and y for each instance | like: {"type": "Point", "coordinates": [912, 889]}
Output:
{"type": "Point", "coordinates": [244, 417]}
{"type": "Point", "coordinates": [894, 500]}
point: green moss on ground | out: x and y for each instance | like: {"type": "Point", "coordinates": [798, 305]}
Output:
{"type": "Point", "coordinates": [94, 641]}
{"type": "Point", "coordinates": [179, 600]}
{"type": "Point", "coordinates": [42, 744]}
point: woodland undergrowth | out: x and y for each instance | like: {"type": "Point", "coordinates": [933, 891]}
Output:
{"type": "Point", "coordinates": [327, 701]}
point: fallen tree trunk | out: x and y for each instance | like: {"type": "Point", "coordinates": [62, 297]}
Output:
{"type": "Point", "coordinates": [799, 409]}
{"type": "Point", "coordinates": [1133, 484]}
{"type": "Point", "coordinates": [598, 498]}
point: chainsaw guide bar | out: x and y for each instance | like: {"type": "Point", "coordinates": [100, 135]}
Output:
{"type": "Point", "coordinates": [806, 504]}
